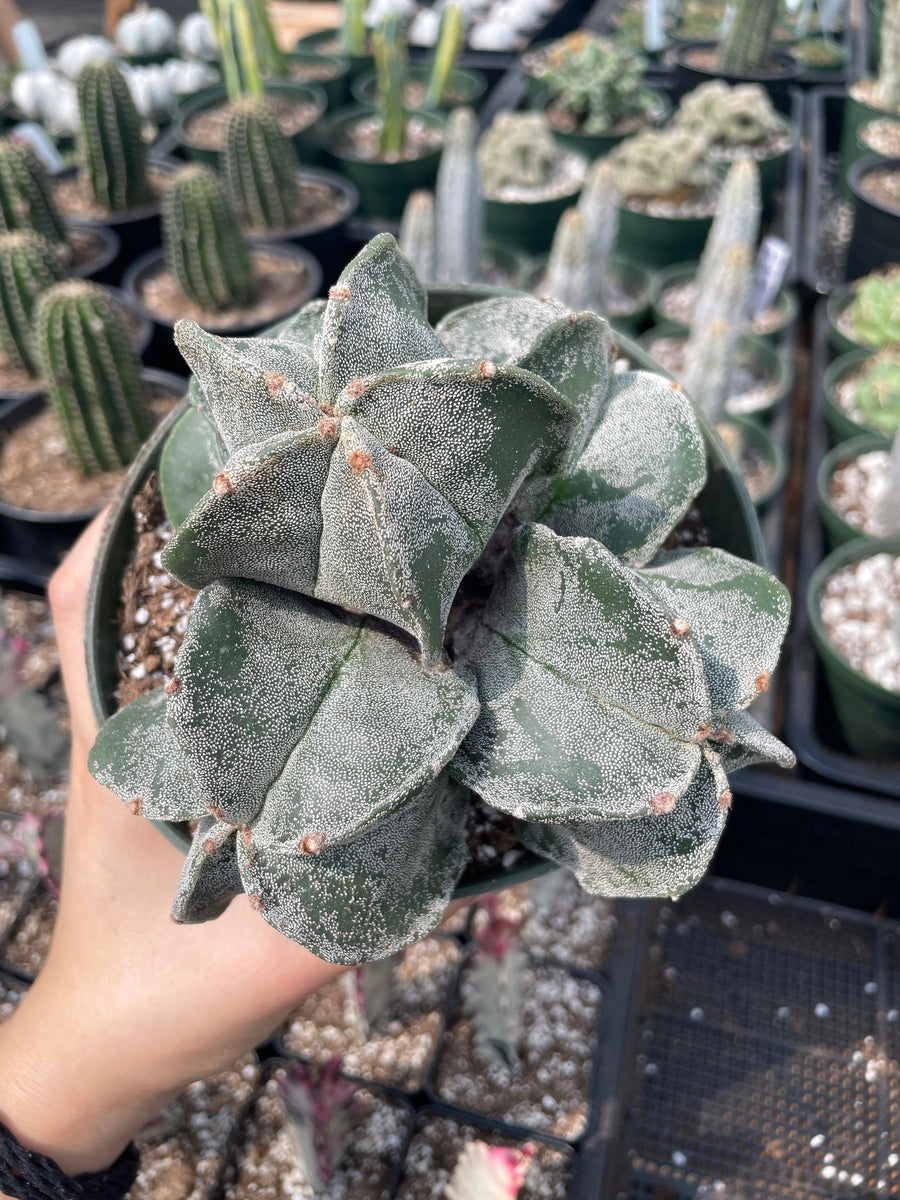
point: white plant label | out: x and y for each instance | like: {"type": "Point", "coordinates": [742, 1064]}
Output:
{"type": "Point", "coordinates": [768, 275]}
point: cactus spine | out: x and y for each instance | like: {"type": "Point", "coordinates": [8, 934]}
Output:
{"type": "Point", "coordinates": [717, 323]}
{"type": "Point", "coordinates": [390, 66]}
{"type": "Point", "coordinates": [446, 51]}
{"type": "Point", "coordinates": [459, 202]}
{"type": "Point", "coordinates": [737, 218]}
{"type": "Point", "coordinates": [92, 375]}
{"type": "Point", "coordinates": [747, 47]}
{"type": "Point", "coordinates": [259, 166]}
{"type": "Point", "coordinates": [417, 234]}
{"type": "Point", "coordinates": [205, 249]}
{"type": "Point", "coordinates": [26, 194]}
{"type": "Point", "coordinates": [111, 151]}
{"type": "Point", "coordinates": [889, 61]}
{"type": "Point", "coordinates": [28, 266]}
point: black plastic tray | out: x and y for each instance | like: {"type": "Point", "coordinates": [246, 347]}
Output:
{"type": "Point", "coordinates": [811, 728]}
{"type": "Point", "coordinates": [823, 125]}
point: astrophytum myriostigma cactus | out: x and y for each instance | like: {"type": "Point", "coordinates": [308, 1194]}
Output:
{"type": "Point", "coordinates": [482, 508]}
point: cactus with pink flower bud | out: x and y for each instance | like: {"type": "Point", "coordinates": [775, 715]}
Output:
{"type": "Point", "coordinates": [321, 1109]}
{"type": "Point", "coordinates": [489, 1172]}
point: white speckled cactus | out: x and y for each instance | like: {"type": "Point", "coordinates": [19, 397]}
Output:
{"type": "Point", "coordinates": [431, 563]}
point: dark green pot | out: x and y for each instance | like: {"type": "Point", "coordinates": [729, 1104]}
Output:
{"type": "Point", "coordinates": [856, 114]}
{"type": "Point", "coordinates": [837, 529]}
{"type": "Point", "coordinates": [336, 86]}
{"type": "Point", "coordinates": [772, 170]}
{"type": "Point", "coordinates": [468, 88]}
{"type": "Point", "coordinates": [305, 141]}
{"type": "Point", "coordinates": [868, 714]}
{"type": "Point", "coordinates": [593, 146]}
{"type": "Point", "coordinates": [772, 453]}
{"type": "Point", "coordinates": [637, 281]}
{"type": "Point", "coordinates": [322, 42]}
{"type": "Point", "coordinates": [660, 241]}
{"type": "Point", "coordinates": [525, 227]}
{"type": "Point", "coordinates": [833, 64]}
{"type": "Point", "coordinates": [728, 512]}
{"type": "Point", "coordinates": [840, 426]}
{"type": "Point", "coordinates": [384, 187]}
{"type": "Point", "coordinates": [787, 303]}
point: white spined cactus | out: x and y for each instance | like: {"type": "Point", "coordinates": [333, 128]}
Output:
{"type": "Point", "coordinates": [459, 204]}
{"type": "Point", "coordinates": [568, 277]}
{"type": "Point", "coordinates": [77, 52]}
{"type": "Point", "coordinates": [736, 223]}
{"type": "Point", "coordinates": [417, 234]}
{"type": "Point", "coordinates": [145, 30]}
{"type": "Point", "coordinates": [588, 683]}
{"type": "Point", "coordinates": [196, 37]}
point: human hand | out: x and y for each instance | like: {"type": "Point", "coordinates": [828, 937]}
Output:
{"type": "Point", "coordinates": [130, 1007]}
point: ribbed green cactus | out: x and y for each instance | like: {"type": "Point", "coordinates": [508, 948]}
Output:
{"type": "Point", "coordinates": [747, 47]}
{"type": "Point", "coordinates": [28, 266]}
{"type": "Point", "coordinates": [112, 155]}
{"type": "Point", "coordinates": [595, 692]}
{"type": "Point", "coordinates": [874, 311]}
{"type": "Point", "coordinates": [92, 376]}
{"type": "Point", "coordinates": [205, 249]}
{"type": "Point", "coordinates": [417, 234]}
{"type": "Point", "coordinates": [596, 81]}
{"type": "Point", "coordinates": [719, 319]}
{"type": "Point", "coordinates": [736, 223]}
{"type": "Point", "coordinates": [259, 166]}
{"type": "Point", "coordinates": [459, 206]}
{"type": "Point", "coordinates": [876, 396]}
{"type": "Point", "coordinates": [391, 64]}
{"type": "Point", "coordinates": [451, 35]}
{"type": "Point", "coordinates": [26, 194]}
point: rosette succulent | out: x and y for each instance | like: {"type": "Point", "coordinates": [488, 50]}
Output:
{"type": "Point", "coordinates": [431, 568]}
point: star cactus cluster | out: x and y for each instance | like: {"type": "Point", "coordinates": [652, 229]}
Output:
{"type": "Point", "coordinates": [431, 566]}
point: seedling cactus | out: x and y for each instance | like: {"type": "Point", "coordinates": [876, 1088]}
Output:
{"type": "Point", "coordinates": [336, 698]}
{"type": "Point", "coordinates": [596, 81]}
{"type": "Point", "coordinates": [874, 312]}
{"type": "Point", "coordinates": [497, 983]}
{"type": "Point", "coordinates": [259, 166]}
{"type": "Point", "coordinates": [489, 1172]}
{"type": "Point", "coordinates": [112, 156]}
{"type": "Point", "coordinates": [26, 194]}
{"type": "Point", "coordinates": [321, 1108]}
{"type": "Point", "coordinates": [391, 64]}
{"type": "Point", "coordinates": [450, 38]}
{"type": "Point", "coordinates": [205, 249]}
{"type": "Point", "coordinates": [28, 266]}
{"type": "Point", "coordinates": [747, 47]}
{"type": "Point", "coordinates": [92, 376]}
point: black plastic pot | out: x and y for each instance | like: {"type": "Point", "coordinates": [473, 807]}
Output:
{"type": "Point", "coordinates": [165, 354]}
{"type": "Point", "coordinates": [813, 731]}
{"type": "Point", "coordinates": [136, 228]}
{"type": "Point", "coordinates": [777, 82]}
{"type": "Point", "coordinates": [44, 537]}
{"type": "Point", "coordinates": [102, 267]}
{"type": "Point", "coordinates": [876, 228]}
{"type": "Point", "coordinates": [823, 122]}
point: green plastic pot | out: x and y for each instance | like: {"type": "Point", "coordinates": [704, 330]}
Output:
{"type": "Point", "coordinates": [384, 187]}
{"type": "Point", "coordinates": [856, 114]}
{"type": "Point", "coordinates": [658, 242]}
{"type": "Point", "coordinates": [837, 529]}
{"type": "Point", "coordinates": [862, 146]}
{"type": "Point", "coordinates": [468, 87]}
{"type": "Point", "coordinates": [513, 268]}
{"type": "Point", "coordinates": [638, 281]}
{"type": "Point", "coordinates": [593, 146]}
{"type": "Point", "coordinates": [323, 42]}
{"type": "Point", "coordinates": [727, 509]}
{"type": "Point", "coordinates": [868, 714]}
{"type": "Point", "coordinates": [773, 169]}
{"type": "Point", "coordinates": [305, 141]}
{"type": "Point", "coordinates": [772, 453]}
{"type": "Point", "coordinates": [787, 302]}
{"type": "Point", "coordinates": [840, 426]}
{"type": "Point", "coordinates": [526, 227]}
{"type": "Point", "coordinates": [337, 86]}
{"type": "Point", "coordinates": [839, 341]}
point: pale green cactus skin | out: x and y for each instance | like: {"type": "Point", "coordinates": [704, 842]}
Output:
{"type": "Point", "coordinates": [459, 205]}
{"type": "Point", "coordinates": [877, 393]}
{"type": "Point", "coordinates": [26, 194]}
{"type": "Point", "coordinates": [736, 116]}
{"type": "Point", "coordinates": [450, 40]}
{"type": "Point", "coordinates": [874, 312]}
{"type": "Point", "coordinates": [518, 149]}
{"type": "Point", "coordinates": [889, 61]}
{"type": "Point", "coordinates": [364, 459]}
{"type": "Point", "coordinates": [417, 234]}
{"type": "Point", "coordinates": [28, 266]}
{"type": "Point", "coordinates": [353, 26]}
{"type": "Point", "coordinates": [598, 205]}
{"type": "Point", "coordinates": [391, 63]}
{"type": "Point", "coordinates": [259, 167]}
{"type": "Point", "coordinates": [747, 47]}
{"type": "Point", "coordinates": [719, 319]}
{"type": "Point", "coordinates": [663, 163]}
{"type": "Point", "coordinates": [204, 247]}
{"type": "Point", "coordinates": [111, 151]}
{"type": "Point", "coordinates": [736, 223]}
{"type": "Point", "coordinates": [569, 276]}
{"type": "Point", "coordinates": [92, 375]}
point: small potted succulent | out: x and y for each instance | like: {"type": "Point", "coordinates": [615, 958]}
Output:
{"type": "Point", "coordinates": [529, 180]}
{"type": "Point", "coordinates": [386, 152]}
{"type": "Point", "coordinates": [854, 615]}
{"type": "Point", "coordinates": [862, 394]}
{"type": "Point", "coordinates": [362, 462]}
{"type": "Point", "coordinates": [208, 271]}
{"type": "Point", "coordinates": [146, 36]}
{"type": "Point", "coordinates": [869, 98]}
{"type": "Point", "coordinates": [854, 484]}
{"type": "Point", "coordinates": [669, 193]}
{"type": "Point", "coordinates": [874, 184]}
{"type": "Point", "coordinates": [865, 314]}
{"type": "Point", "coordinates": [351, 40]}
{"type": "Point", "coordinates": [63, 454]}
{"type": "Point", "coordinates": [880, 136]}
{"type": "Point", "coordinates": [594, 93]}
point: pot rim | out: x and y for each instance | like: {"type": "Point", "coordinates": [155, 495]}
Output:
{"type": "Point", "coordinates": [128, 215]}
{"type": "Point", "coordinates": [847, 451]}
{"type": "Point", "coordinates": [330, 179]}
{"type": "Point", "coordinates": [216, 93]}
{"type": "Point", "coordinates": [791, 66]}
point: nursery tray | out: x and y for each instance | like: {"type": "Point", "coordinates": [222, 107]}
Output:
{"type": "Point", "coordinates": [768, 1052]}
{"type": "Point", "coordinates": [827, 218]}
{"type": "Point", "coordinates": [812, 731]}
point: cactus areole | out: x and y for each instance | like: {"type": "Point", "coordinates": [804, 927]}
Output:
{"type": "Point", "coordinates": [431, 565]}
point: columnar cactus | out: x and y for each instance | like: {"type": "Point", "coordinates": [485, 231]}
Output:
{"type": "Point", "coordinates": [747, 47]}
{"type": "Point", "coordinates": [417, 234]}
{"type": "Point", "coordinates": [112, 156]}
{"type": "Point", "coordinates": [205, 249]}
{"type": "Point", "coordinates": [719, 319]}
{"type": "Point", "coordinates": [391, 68]}
{"type": "Point", "coordinates": [451, 34]}
{"type": "Point", "coordinates": [889, 61]}
{"type": "Point", "coordinates": [459, 203]}
{"type": "Point", "coordinates": [736, 223]}
{"type": "Point", "coordinates": [92, 376]}
{"type": "Point", "coordinates": [569, 277]}
{"type": "Point", "coordinates": [248, 47]}
{"type": "Point", "coordinates": [26, 194]}
{"type": "Point", "coordinates": [337, 698]}
{"type": "Point", "coordinates": [598, 205]}
{"type": "Point", "coordinates": [353, 26]}
{"type": "Point", "coordinates": [259, 166]}
{"type": "Point", "coordinates": [28, 266]}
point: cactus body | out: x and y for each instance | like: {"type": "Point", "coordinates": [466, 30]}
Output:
{"type": "Point", "coordinates": [26, 194]}
{"type": "Point", "coordinates": [92, 375]}
{"type": "Point", "coordinates": [205, 249]}
{"type": "Point", "coordinates": [877, 394]}
{"type": "Point", "coordinates": [719, 318]}
{"type": "Point", "coordinates": [459, 215]}
{"type": "Point", "coordinates": [417, 234]}
{"type": "Point", "coordinates": [597, 82]}
{"type": "Point", "coordinates": [736, 223]}
{"type": "Point", "coordinates": [598, 205]}
{"type": "Point", "coordinates": [353, 27]}
{"type": "Point", "coordinates": [588, 684]}
{"type": "Point", "coordinates": [569, 277]}
{"type": "Point", "coordinates": [259, 167]}
{"type": "Point", "coordinates": [390, 68]}
{"type": "Point", "coordinates": [489, 1172]}
{"type": "Point", "coordinates": [668, 163]}
{"type": "Point", "coordinates": [889, 61]}
{"type": "Point", "coordinates": [112, 155]}
{"type": "Point", "coordinates": [446, 51]}
{"type": "Point", "coordinates": [28, 266]}
{"type": "Point", "coordinates": [517, 150]}
{"type": "Point", "coordinates": [729, 116]}
{"type": "Point", "coordinates": [747, 47]}
{"type": "Point", "coordinates": [874, 312]}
